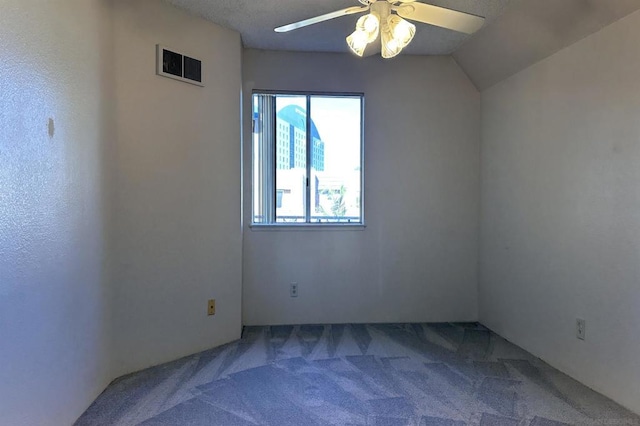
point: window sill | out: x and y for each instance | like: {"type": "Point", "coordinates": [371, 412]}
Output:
{"type": "Point", "coordinates": [308, 227]}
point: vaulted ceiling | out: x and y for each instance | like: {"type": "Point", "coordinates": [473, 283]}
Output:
{"type": "Point", "coordinates": [517, 33]}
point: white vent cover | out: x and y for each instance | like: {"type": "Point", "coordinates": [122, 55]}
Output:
{"type": "Point", "coordinates": [178, 66]}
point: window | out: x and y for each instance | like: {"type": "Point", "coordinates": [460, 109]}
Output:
{"type": "Point", "coordinates": [307, 159]}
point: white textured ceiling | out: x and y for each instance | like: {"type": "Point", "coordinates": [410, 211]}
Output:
{"type": "Point", "coordinates": [256, 19]}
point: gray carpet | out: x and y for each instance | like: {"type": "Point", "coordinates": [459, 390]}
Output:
{"type": "Point", "coordinates": [377, 374]}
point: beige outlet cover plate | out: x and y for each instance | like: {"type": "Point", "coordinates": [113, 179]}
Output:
{"type": "Point", "coordinates": [211, 307]}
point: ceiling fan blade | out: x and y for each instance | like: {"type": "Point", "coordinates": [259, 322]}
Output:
{"type": "Point", "coordinates": [321, 18]}
{"type": "Point", "coordinates": [440, 17]}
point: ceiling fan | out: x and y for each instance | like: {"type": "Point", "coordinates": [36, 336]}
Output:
{"type": "Point", "coordinates": [384, 23]}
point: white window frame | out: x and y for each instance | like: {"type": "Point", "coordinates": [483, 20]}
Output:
{"type": "Point", "coordinates": [308, 224]}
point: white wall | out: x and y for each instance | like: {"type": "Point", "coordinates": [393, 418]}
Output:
{"type": "Point", "coordinates": [560, 202]}
{"type": "Point", "coordinates": [416, 260]}
{"type": "Point", "coordinates": [177, 205]}
{"type": "Point", "coordinates": [55, 125]}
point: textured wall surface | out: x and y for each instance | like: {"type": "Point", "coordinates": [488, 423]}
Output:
{"type": "Point", "coordinates": [177, 188]}
{"type": "Point", "coordinates": [416, 259]}
{"type": "Point", "coordinates": [560, 202]}
{"type": "Point", "coordinates": [55, 124]}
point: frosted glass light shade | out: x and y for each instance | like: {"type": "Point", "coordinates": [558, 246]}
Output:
{"type": "Point", "coordinates": [357, 42]}
{"type": "Point", "coordinates": [401, 30]}
{"type": "Point", "coordinates": [370, 24]}
{"type": "Point", "coordinates": [396, 35]}
{"type": "Point", "coordinates": [390, 46]}
{"type": "Point", "coordinates": [367, 29]}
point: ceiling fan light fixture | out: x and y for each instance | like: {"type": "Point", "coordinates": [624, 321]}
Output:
{"type": "Point", "coordinates": [384, 20]}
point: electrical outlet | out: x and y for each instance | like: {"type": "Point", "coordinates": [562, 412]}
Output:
{"type": "Point", "coordinates": [211, 307]}
{"type": "Point", "coordinates": [581, 329]}
{"type": "Point", "coordinates": [293, 291]}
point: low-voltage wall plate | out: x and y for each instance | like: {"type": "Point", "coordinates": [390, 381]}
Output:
{"type": "Point", "coordinates": [178, 66]}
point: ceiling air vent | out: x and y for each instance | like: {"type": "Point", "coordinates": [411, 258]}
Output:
{"type": "Point", "coordinates": [178, 66]}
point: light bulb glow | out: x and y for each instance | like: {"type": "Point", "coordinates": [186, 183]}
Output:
{"type": "Point", "coordinates": [401, 32]}
{"type": "Point", "coordinates": [370, 25]}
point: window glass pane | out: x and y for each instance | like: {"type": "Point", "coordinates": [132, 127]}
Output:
{"type": "Point", "coordinates": [335, 159]}
{"type": "Point", "coordinates": [291, 158]}
{"type": "Point", "coordinates": [300, 179]}
{"type": "Point", "coordinates": [257, 183]}
{"type": "Point", "coordinates": [263, 106]}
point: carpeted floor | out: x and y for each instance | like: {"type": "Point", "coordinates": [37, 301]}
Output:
{"type": "Point", "coordinates": [377, 374]}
